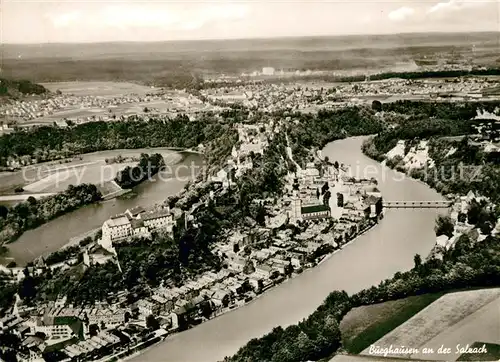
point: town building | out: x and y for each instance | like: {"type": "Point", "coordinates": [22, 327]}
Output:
{"type": "Point", "coordinates": [315, 212]}
{"type": "Point", "coordinates": [56, 329]}
{"type": "Point", "coordinates": [147, 307]}
{"type": "Point", "coordinates": [135, 222]}
{"type": "Point", "coordinates": [268, 71]}
{"type": "Point", "coordinates": [223, 176]}
{"type": "Point", "coordinates": [299, 212]}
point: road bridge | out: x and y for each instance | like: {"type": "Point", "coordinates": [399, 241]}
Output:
{"type": "Point", "coordinates": [437, 204]}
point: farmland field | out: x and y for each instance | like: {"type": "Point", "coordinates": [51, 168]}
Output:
{"type": "Point", "coordinates": [455, 318]}
{"type": "Point", "coordinates": [58, 180]}
{"type": "Point", "coordinates": [482, 325]}
{"type": "Point", "coordinates": [364, 325]}
{"type": "Point", "coordinates": [89, 168]}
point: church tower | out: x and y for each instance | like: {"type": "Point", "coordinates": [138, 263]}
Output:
{"type": "Point", "coordinates": [296, 206]}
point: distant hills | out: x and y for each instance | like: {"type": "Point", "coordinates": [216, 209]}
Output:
{"type": "Point", "coordinates": [181, 49]}
{"type": "Point", "coordinates": [180, 64]}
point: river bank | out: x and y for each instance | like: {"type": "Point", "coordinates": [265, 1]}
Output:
{"type": "Point", "coordinates": [243, 303]}
{"type": "Point", "coordinates": [53, 235]}
{"type": "Point", "coordinates": [375, 256]}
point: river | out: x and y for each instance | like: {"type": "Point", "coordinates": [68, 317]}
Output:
{"type": "Point", "coordinates": [371, 258]}
{"type": "Point", "coordinates": [56, 233]}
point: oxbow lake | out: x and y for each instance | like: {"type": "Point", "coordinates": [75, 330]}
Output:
{"type": "Point", "coordinates": [371, 258]}
{"type": "Point", "coordinates": [56, 233]}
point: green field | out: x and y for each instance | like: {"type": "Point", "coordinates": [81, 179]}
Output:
{"type": "Point", "coordinates": [365, 325]}
{"type": "Point", "coordinates": [492, 355]}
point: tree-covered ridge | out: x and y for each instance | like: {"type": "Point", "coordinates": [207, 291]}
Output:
{"type": "Point", "coordinates": [459, 164]}
{"type": "Point", "coordinates": [309, 131]}
{"type": "Point", "coordinates": [469, 264]}
{"type": "Point", "coordinates": [419, 75]}
{"type": "Point", "coordinates": [409, 120]}
{"type": "Point", "coordinates": [14, 88]}
{"type": "Point", "coordinates": [462, 111]}
{"type": "Point", "coordinates": [32, 213]}
{"type": "Point", "coordinates": [165, 259]}
{"type": "Point", "coordinates": [148, 166]}
{"type": "Point", "coordinates": [436, 74]}
{"type": "Point", "coordinates": [416, 129]}
{"type": "Point", "coordinates": [48, 143]}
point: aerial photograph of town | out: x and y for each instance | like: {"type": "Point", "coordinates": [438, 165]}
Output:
{"type": "Point", "coordinates": [249, 181]}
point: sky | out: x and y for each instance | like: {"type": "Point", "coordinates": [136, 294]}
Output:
{"type": "Point", "coordinates": [34, 21]}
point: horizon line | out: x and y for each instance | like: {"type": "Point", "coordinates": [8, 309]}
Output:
{"type": "Point", "coordinates": [255, 38]}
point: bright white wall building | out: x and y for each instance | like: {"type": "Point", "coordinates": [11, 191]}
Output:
{"type": "Point", "coordinates": [268, 71]}
{"type": "Point", "coordinates": [135, 224]}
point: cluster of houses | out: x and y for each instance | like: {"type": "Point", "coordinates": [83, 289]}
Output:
{"type": "Point", "coordinates": [32, 109]}
{"type": "Point", "coordinates": [269, 97]}
{"type": "Point", "coordinates": [332, 194]}
{"type": "Point", "coordinates": [66, 109]}
{"type": "Point", "coordinates": [250, 141]}
{"type": "Point", "coordinates": [211, 290]}
{"type": "Point", "coordinates": [254, 259]}
{"type": "Point", "coordinates": [58, 327]}
{"type": "Point", "coordinates": [461, 206]}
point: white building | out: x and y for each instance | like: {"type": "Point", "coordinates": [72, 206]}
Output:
{"type": "Point", "coordinates": [223, 176]}
{"type": "Point", "coordinates": [116, 228]}
{"type": "Point", "coordinates": [155, 220]}
{"type": "Point", "coordinates": [299, 212]}
{"type": "Point", "coordinates": [135, 222]}
{"type": "Point", "coordinates": [268, 71]}
{"type": "Point", "coordinates": [53, 331]}
{"type": "Point", "coordinates": [110, 317]}
{"type": "Point", "coordinates": [147, 307]}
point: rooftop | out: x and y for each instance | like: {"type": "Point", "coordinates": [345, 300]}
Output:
{"type": "Point", "coordinates": [136, 210]}
{"type": "Point", "coordinates": [118, 220]}
{"type": "Point", "coordinates": [137, 223]}
{"type": "Point", "coordinates": [314, 208]}
{"type": "Point", "coordinates": [155, 214]}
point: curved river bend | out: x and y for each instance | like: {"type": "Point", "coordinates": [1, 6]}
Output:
{"type": "Point", "coordinates": [51, 236]}
{"type": "Point", "coordinates": [371, 258]}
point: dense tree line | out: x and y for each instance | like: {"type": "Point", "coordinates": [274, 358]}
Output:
{"type": "Point", "coordinates": [467, 168]}
{"type": "Point", "coordinates": [412, 130]}
{"type": "Point", "coordinates": [48, 143]}
{"type": "Point", "coordinates": [9, 87]}
{"type": "Point", "coordinates": [316, 130]}
{"type": "Point", "coordinates": [266, 178]}
{"type": "Point", "coordinates": [463, 111]}
{"type": "Point", "coordinates": [318, 336]}
{"type": "Point", "coordinates": [148, 166]}
{"type": "Point", "coordinates": [424, 120]}
{"type": "Point", "coordinates": [419, 75]}
{"type": "Point", "coordinates": [436, 74]}
{"type": "Point", "coordinates": [7, 291]}
{"type": "Point", "coordinates": [32, 213]}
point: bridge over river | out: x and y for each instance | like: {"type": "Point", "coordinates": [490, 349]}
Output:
{"type": "Point", "coordinates": [438, 204]}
